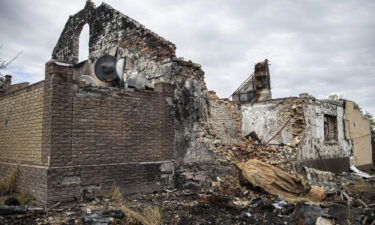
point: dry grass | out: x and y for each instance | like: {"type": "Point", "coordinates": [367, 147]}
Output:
{"type": "Point", "coordinates": [24, 198]}
{"type": "Point", "coordinates": [150, 216]}
{"type": "Point", "coordinates": [2, 200]}
{"type": "Point", "coordinates": [363, 187]}
{"type": "Point", "coordinates": [8, 184]}
{"type": "Point", "coordinates": [115, 194]}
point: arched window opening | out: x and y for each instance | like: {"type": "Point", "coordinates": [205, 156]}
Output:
{"type": "Point", "coordinates": [84, 37]}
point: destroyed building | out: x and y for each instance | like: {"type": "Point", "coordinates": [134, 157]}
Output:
{"type": "Point", "coordinates": [328, 134]}
{"type": "Point", "coordinates": [136, 116]}
{"type": "Point", "coordinates": [82, 130]}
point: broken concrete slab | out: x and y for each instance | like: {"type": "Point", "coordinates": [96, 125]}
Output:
{"type": "Point", "coordinates": [320, 178]}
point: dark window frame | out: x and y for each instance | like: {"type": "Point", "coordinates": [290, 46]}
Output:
{"type": "Point", "coordinates": [330, 128]}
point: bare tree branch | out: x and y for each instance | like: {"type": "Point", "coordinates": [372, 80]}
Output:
{"type": "Point", "coordinates": [4, 63]}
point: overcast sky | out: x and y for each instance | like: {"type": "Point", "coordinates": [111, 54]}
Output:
{"type": "Point", "coordinates": [319, 47]}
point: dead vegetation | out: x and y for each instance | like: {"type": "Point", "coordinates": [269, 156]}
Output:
{"type": "Point", "coordinates": [150, 215]}
{"type": "Point", "coordinates": [24, 198]}
{"type": "Point", "coordinates": [8, 184]}
{"type": "Point", "coordinates": [115, 194]}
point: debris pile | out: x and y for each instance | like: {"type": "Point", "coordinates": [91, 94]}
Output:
{"type": "Point", "coordinates": [222, 133]}
{"type": "Point", "coordinates": [267, 180]}
{"type": "Point", "coordinates": [279, 156]}
{"type": "Point", "coordinates": [353, 203]}
{"type": "Point", "coordinates": [251, 181]}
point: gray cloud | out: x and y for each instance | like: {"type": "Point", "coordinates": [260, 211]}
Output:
{"type": "Point", "coordinates": [320, 47]}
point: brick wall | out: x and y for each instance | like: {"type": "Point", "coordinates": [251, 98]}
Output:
{"type": "Point", "coordinates": [100, 137]}
{"type": "Point", "coordinates": [107, 27]}
{"type": "Point", "coordinates": [68, 139]}
{"type": "Point", "coordinates": [21, 115]}
{"type": "Point", "coordinates": [128, 127]}
{"type": "Point", "coordinates": [96, 126]}
{"type": "Point", "coordinates": [224, 119]}
{"type": "Point", "coordinates": [65, 184]}
{"type": "Point", "coordinates": [32, 179]}
{"type": "Point", "coordinates": [21, 138]}
{"type": "Point", "coordinates": [112, 32]}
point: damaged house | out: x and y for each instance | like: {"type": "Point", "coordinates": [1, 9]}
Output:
{"type": "Point", "coordinates": [328, 134]}
{"type": "Point", "coordinates": [136, 116]}
{"type": "Point", "coordinates": [126, 116]}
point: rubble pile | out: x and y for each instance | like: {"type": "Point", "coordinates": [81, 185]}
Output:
{"type": "Point", "coordinates": [313, 197]}
{"type": "Point", "coordinates": [250, 182]}
{"type": "Point", "coordinates": [279, 156]}
{"type": "Point", "coordinates": [352, 203]}
{"type": "Point", "coordinates": [222, 134]}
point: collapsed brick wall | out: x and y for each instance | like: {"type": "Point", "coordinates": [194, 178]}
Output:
{"type": "Point", "coordinates": [278, 122]}
{"type": "Point", "coordinates": [224, 120]}
{"type": "Point", "coordinates": [109, 29]}
{"type": "Point", "coordinates": [21, 115]}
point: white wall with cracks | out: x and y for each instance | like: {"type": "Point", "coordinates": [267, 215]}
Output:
{"type": "Point", "coordinates": [314, 113]}
{"type": "Point", "coordinates": [299, 122]}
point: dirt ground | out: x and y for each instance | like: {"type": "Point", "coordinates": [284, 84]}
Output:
{"type": "Point", "coordinates": [353, 203]}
